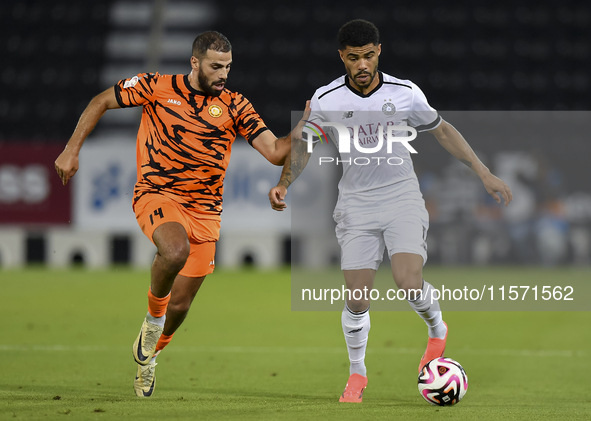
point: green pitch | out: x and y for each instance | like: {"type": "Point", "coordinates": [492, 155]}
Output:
{"type": "Point", "coordinates": [65, 351]}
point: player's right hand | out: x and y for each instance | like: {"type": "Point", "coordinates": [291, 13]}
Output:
{"type": "Point", "coordinates": [66, 165]}
{"type": "Point", "coordinates": [277, 198]}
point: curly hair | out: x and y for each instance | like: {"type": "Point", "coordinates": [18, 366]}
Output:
{"type": "Point", "coordinates": [358, 33]}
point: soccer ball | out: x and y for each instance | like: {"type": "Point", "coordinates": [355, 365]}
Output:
{"type": "Point", "coordinates": [443, 382]}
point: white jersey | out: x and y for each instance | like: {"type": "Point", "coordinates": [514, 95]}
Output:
{"type": "Point", "coordinates": [380, 175]}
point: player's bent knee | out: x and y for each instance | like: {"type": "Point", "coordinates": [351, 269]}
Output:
{"type": "Point", "coordinates": [175, 254]}
{"type": "Point", "coordinates": [172, 241]}
{"type": "Point", "coordinates": [408, 280]}
{"type": "Point", "coordinates": [408, 277]}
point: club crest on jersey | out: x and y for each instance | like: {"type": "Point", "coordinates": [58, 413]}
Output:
{"type": "Point", "coordinates": [389, 109]}
{"type": "Point", "coordinates": [130, 83]}
{"type": "Point", "coordinates": [215, 111]}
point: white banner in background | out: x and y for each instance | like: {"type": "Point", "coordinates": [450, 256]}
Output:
{"type": "Point", "coordinates": [103, 190]}
{"type": "Point", "coordinates": [103, 186]}
{"type": "Point", "coordinates": [246, 194]}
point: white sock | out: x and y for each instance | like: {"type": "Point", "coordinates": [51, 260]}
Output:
{"type": "Point", "coordinates": [430, 313]}
{"type": "Point", "coordinates": [356, 330]}
{"type": "Point", "coordinates": [153, 360]}
{"type": "Point", "coordinates": [159, 321]}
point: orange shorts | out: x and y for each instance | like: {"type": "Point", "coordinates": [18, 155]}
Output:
{"type": "Point", "coordinates": [153, 210]}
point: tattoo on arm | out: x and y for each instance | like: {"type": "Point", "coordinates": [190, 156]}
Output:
{"type": "Point", "coordinates": [285, 179]}
{"type": "Point", "coordinates": [295, 162]}
{"type": "Point", "coordinates": [466, 162]}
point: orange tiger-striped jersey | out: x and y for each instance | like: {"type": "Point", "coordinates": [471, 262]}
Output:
{"type": "Point", "coordinates": [185, 138]}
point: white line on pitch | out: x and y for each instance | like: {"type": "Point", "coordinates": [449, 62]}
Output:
{"type": "Point", "coordinates": [299, 350]}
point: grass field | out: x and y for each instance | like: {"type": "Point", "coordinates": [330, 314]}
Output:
{"type": "Point", "coordinates": [65, 352]}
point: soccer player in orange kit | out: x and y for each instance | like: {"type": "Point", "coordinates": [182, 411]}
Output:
{"type": "Point", "coordinates": [188, 125]}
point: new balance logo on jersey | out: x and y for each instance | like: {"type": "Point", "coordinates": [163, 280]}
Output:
{"type": "Point", "coordinates": [174, 101]}
{"type": "Point", "coordinates": [212, 263]}
{"type": "Point", "coordinates": [356, 330]}
{"type": "Point", "coordinates": [348, 114]}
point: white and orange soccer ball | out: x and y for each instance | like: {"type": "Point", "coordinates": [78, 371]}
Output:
{"type": "Point", "coordinates": [443, 382]}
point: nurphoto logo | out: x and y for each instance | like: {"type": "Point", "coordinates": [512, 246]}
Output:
{"type": "Point", "coordinates": [344, 141]}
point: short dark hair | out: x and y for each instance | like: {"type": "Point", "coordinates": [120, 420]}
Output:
{"type": "Point", "coordinates": [358, 33]}
{"type": "Point", "coordinates": [210, 40]}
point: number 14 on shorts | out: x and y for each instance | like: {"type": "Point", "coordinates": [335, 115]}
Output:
{"type": "Point", "coordinates": [157, 212]}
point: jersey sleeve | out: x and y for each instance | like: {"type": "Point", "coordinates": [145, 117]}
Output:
{"type": "Point", "coordinates": [422, 116]}
{"type": "Point", "coordinates": [315, 111]}
{"type": "Point", "coordinates": [249, 122]}
{"type": "Point", "coordinates": [136, 91]}
{"type": "Point", "coordinates": [317, 116]}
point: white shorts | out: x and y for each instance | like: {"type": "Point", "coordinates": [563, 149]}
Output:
{"type": "Point", "coordinates": [363, 236]}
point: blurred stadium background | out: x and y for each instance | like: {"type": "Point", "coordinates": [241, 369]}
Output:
{"type": "Point", "coordinates": [468, 57]}
{"type": "Point", "coordinates": [66, 341]}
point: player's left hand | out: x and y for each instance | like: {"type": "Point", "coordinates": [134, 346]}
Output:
{"type": "Point", "coordinates": [277, 198]}
{"type": "Point", "coordinates": [495, 186]}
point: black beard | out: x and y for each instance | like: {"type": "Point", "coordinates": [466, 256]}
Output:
{"type": "Point", "coordinates": [206, 87]}
{"type": "Point", "coordinates": [372, 76]}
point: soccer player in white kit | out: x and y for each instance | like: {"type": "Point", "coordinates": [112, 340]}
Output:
{"type": "Point", "coordinates": [380, 204]}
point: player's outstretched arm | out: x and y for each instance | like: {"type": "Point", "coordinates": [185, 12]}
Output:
{"type": "Point", "coordinates": [295, 162]}
{"type": "Point", "coordinates": [66, 164]}
{"type": "Point", "coordinates": [275, 150]}
{"type": "Point", "coordinates": [455, 144]}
